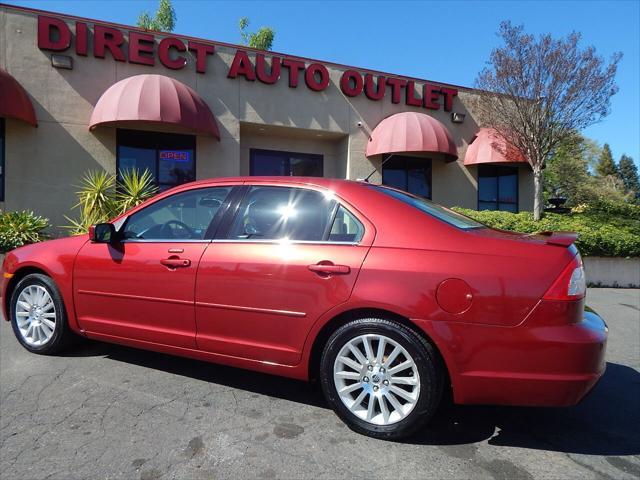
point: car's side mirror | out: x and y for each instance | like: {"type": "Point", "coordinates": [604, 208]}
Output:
{"type": "Point", "coordinates": [102, 233]}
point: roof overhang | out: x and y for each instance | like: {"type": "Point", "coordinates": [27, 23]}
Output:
{"type": "Point", "coordinates": [14, 100]}
{"type": "Point", "coordinates": [489, 147]}
{"type": "Point", "coordinates": [410, 132]}
{"type": "Point", "coordinates": [157, 99]}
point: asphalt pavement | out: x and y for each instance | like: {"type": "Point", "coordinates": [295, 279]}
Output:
{"type": "Point", "coordinates": [105, 411]}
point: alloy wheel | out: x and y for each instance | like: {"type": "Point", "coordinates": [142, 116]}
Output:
{"type": "Point", "coordinates": [376, 379]}
{"type": "Point", "coordinates": [35, 315]}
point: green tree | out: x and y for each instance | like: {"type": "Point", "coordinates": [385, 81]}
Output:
{"type": "Point", "coordinates": [568, 170]}
{"type": "Point", "coordinates": [163, 21]}
{"type": "Point", "coordinates": [567, 174]}
{"type": "Point", "coordinates": [602, 189]}
{"type": "Point", "coordinates": [606, 165]}
{"type": "Point", "coordinates": [262, 39]}
{"type": "Point", "coordinates": [628, 174]}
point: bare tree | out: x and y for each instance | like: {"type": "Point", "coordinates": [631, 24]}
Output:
{"type": "Point", "coordinates": [537, 92]}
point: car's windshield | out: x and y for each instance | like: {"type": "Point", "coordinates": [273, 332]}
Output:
{"type": "Point", "coordinates": [430, 208]}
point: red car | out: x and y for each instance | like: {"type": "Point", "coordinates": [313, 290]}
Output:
{"type": "Point", "coordinates": [388, 299]}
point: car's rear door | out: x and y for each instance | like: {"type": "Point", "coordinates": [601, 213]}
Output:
{"type": "Point", "coordinates": [288, 256]}
{"type": "Point", "coordinates": [143, 287]}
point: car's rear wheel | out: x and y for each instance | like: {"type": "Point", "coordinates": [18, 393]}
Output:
{"type": "Point", "coordinates": [38, 316]}
{"type": "Point", "coordinates": [383, 379]}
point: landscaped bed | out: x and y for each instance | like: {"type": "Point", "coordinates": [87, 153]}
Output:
{"type": "Point", "coordinates": [606, 229]}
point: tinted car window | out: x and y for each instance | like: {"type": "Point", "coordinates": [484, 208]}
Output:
{"type": "Point", "coordinates": [183, 216]}
{"type": "Point", "coordinates": [430, 208]}
{"type": "Point", "coordinates": [268, 213]}
{"type": "Point", "coordinates": [345, 227]}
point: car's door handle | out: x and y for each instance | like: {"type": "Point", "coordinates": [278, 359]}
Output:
{"type": "Point", "coordinates": [329, 269]}
{"type": "Point", "coordinates": [175, 262]}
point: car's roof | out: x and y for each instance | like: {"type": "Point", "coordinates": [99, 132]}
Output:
{"type": "Point", "coordinates": [284, 180]}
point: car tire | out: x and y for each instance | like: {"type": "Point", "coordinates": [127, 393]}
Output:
{"type": "Point", "coordinates": [38, 315]}
{"type": "Point", "coordinates": [391, 397]}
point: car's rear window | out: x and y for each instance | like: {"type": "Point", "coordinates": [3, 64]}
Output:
{"type": "Point", "coordinates": [430, 208]}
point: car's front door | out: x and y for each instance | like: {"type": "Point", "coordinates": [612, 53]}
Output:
{"type": "Point", "coordinates": [289, 255]}
{"type": "Point", "coordinates": [142, 287]}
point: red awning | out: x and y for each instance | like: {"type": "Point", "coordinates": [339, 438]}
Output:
{"type": "Point", "coordinates": [411, 132]}
{"type": "Point", "coordinates": [490, 147]}
{"type": "Point", "coordinates": [14, 100]}
{"type": "Point", "coordinates": [154, 98]}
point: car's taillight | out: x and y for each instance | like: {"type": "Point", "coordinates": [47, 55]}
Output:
{"type": "Point", "coordinates": [571, 284]}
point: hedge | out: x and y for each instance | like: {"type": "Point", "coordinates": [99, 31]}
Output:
{"type": "Point", "coordinates": [20, 228]}
{"type": "Point", "coordinates": [605, 230]}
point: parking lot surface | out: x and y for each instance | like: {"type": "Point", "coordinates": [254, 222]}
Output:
{"type": "Point", "coordinates": [105, 411]}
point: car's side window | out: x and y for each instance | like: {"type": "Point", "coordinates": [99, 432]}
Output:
{"type": "Point", "coordinates": [183, 216]}
{"type": "Point", "coordinates": [346, 227]}
{"type": "Point", "coordinates": [274, 213]}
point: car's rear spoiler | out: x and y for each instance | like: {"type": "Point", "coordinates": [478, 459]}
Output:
{"type": "Point", "coordinates": [563, 239]}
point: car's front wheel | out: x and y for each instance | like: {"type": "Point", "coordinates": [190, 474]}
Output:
{"type": "Point", "coordinates": [38, 316]}
{"type": "Point", "coordinates": [383, 379]}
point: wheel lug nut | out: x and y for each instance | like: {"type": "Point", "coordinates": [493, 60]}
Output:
{"type": "Point", "coordinates": [375, 388]}
{"type": "Point", "coordinates": [365, 379]}
{"type": "Point", "coordinates": [370, 367]}
{"type": "Point", "coordinates": [385, 382]}
{"type": "Point", "coordinates": [381, 369]}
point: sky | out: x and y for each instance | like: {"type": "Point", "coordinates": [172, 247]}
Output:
{"type": "Point", "coordinates": [444, 41]}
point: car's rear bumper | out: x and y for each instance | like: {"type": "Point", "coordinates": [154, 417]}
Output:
{"type": "Point", "coordinates": [530, 365]}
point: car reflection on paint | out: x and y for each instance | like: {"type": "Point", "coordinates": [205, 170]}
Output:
{"type": "Point", "coordinates": [386, 298]}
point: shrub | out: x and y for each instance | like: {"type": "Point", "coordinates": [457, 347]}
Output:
{"type": "Point", "coordinates": [609, 230]}
{"type": "Point", "coordinates": [101, 197]}
{"type": "Point", "coordinates": [623, 209]}
{"type": "Point", "coordinates": [20, 228]}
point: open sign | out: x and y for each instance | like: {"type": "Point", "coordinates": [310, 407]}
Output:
{"type": "Point", "coordinates": [175, 155]}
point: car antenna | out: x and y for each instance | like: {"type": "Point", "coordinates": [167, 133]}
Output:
{"type": "Point", "coordinates": [375, 169]}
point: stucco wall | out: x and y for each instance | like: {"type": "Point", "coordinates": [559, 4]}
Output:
{"type": "Point", "coordinates": [44, 163]}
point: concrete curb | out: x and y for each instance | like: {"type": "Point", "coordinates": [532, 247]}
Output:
{"type": "Point", "coordinates": [612, 272]}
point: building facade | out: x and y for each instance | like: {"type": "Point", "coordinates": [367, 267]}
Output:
{"type": "Point", "coordinates": [79, 94]}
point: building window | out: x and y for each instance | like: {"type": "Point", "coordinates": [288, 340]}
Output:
{"type": "Point", "coordinates": [1, 159]}
{"type": "Point", "coordinates": [171, 158]}
{"type": "Point", "coordinates": [411, 174]}
{"type": "Point", "coordinates": [288, 164]}
{"type": "Point", "coordinates": [497, 188]}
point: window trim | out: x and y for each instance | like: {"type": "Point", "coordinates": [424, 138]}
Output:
{"type": "Point", "coordinates": [160, 240]}
{"type": "Point", "coordinates": [281, 241]}
{"type": "Point", "coordinates": [124, 132]}
{"type": "Point", "coordinates": [498, 202]}
{"type": "Point", "coordinates": [265, 151]}
{"type": "Point", "coordinates": [224, 230]}
{"type": "Point", "coordinates": [210, 231]}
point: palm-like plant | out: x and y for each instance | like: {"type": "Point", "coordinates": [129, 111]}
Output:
{"type": "Point", "coordinates": [99, 200]}
{"type": "Point", "coordinates": [95, 196]}
{"type": "Point", "coordinates": [134, 188]}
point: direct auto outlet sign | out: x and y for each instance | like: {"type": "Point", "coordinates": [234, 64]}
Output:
{"type": "Point", "coordinates": [54, 34]}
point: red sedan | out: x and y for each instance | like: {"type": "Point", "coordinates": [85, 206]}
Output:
{"type": "Point", "coordinates": [386, 298]}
